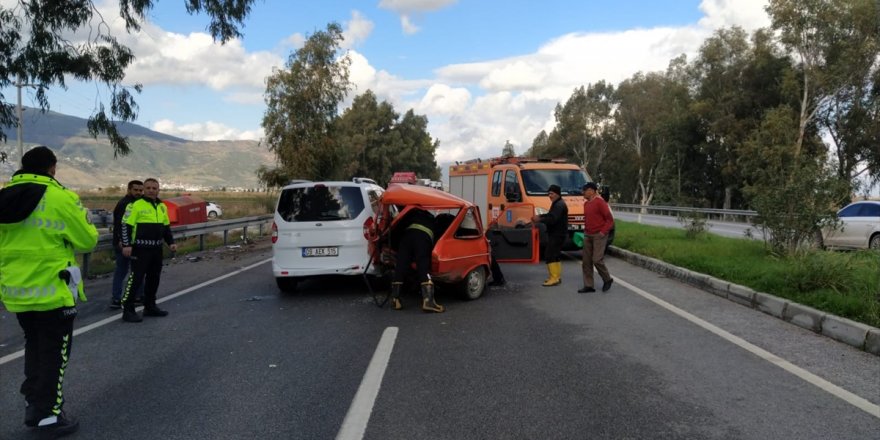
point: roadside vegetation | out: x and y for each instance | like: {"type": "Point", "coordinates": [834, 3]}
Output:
{"type": "Point", "coordinates": [846, 284]}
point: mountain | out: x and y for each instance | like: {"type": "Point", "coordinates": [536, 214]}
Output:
{"type": "Point", "coordinates": [87, 163]}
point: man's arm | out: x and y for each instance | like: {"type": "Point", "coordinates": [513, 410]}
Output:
{"type": "Point", "coordinates": [78, 231]}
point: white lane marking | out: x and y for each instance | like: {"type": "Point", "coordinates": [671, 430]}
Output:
{"type": "Point", "coordinates": [846, 396]}
{"type": "Point", "coordinates": [12, 356]}
{"type": "Point", "coordinates": [355, 423]}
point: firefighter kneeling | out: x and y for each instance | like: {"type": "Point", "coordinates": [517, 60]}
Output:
{"type": "Point", "coordinates": [415, 247]}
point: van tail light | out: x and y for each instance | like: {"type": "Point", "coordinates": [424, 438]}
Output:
{"type": "Point", "coordinates": [274, 233]}
{"type": "Point", "coordinates": [368, 228]}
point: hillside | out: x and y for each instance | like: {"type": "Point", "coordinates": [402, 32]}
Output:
{"type": "Point", "coordinates": [88, 163]}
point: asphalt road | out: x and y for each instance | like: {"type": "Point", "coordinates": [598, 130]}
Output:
{"type": "Point", "coordinates": [236, 359]}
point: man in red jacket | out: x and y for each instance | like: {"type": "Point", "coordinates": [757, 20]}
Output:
{"type": "Point", "coordinates": [597, 224]}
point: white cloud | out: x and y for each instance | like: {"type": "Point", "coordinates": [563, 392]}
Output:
{"type": "Point", "coordinates": [409, 8]}
{"type": "Point", "coordinates": [356, 30]}
{"type": "Point", "coordinates": [748, 14]}
{"type": "Point", "coordinates": [206, 131]}
{"type": "Point", "coordinates": [473, 108]}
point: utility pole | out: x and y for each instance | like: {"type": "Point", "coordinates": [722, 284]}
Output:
{"type": "Point", "coordinates": [18, 109]}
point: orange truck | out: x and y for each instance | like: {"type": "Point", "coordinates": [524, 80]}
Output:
{"type": "Point", "coordinates": [491, 184]}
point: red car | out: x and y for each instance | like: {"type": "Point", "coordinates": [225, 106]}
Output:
{"type": "Point", "coordinates": [461, 254]}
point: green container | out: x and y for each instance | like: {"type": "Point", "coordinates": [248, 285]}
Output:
{"type": "Point", "coordinates": [578, 239]}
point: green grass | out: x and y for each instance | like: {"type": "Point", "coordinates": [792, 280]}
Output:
{"type": "Point", "coordinates": [846, 284]}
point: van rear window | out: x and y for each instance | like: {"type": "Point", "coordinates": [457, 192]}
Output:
{"type": "Point", "coordinates": [320, 203]}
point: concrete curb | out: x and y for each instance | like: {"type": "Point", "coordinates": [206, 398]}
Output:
{"type": "Point", "coordinates": [856, 334]}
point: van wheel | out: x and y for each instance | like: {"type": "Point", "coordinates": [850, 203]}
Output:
{"type": "Point", "coordinates": [286, 284]}
{"type": "Point", "coordinates": [874, 244]}
{"type": "Point", "coordinates": [474, 284]}
{"type": "Point", "coordinates": [212, 214]}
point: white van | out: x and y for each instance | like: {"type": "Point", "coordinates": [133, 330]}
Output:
{"type": "Point", "coordinates": [319, 230]}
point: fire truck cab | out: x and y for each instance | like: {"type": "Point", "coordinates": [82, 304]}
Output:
{"type": "Point", "coordinates": [498, 183]}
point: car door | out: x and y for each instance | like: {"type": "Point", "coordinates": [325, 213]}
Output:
{"type": "Point", "coordinates": [861, 225]}
{"type": "Point", "coordinates": [513, 237]}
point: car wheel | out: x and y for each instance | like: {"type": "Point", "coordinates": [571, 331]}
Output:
{"type": "Point", "coordinates": [474, 284]}
{"type": "Point", "coordinates": [212, 214]}
{"type": "Point", "coordinates": [874, 243]}
{"type": "Point", "coordinates": [286, 284]}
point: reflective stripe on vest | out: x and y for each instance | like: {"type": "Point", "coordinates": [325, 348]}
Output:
{"type": "Point", "coordinates": [422, 228]}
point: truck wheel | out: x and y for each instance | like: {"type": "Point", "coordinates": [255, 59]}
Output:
{"type": "Point", "coordinates": [286, 284]}
{"type": "Point", "coordinates": [474, 284]}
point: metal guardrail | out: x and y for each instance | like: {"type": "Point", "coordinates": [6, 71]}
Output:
{"type": "Point", "coordinates": [105, 241]}
{"type": "Point", "coordinates": [736, 215]}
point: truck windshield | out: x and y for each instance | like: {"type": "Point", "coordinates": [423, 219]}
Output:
{"type": "Point", "coordinates": [536, 182]}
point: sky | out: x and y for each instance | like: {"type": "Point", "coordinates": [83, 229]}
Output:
{"type": "Point", "coordinates": [483, 71]}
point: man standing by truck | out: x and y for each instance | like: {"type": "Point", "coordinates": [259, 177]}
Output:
{"type": "Point", "coordinates": [556, 220]}
{"type": "Point", "coordinates": [598, 223]}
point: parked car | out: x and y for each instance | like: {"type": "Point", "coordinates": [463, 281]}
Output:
{"type": "Point", "coordinates": [858, 227]}
{"type": "Point", "coordinates": [461, 254]}
{"type": "Point", "coordinates": [318, 229]}
{"type": "Point", "coordinates": [214, 210]}
{"type": "Point", "coordinates": [100, 217]}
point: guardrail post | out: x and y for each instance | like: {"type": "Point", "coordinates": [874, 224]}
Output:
{"type": "Point", "coordinates": [85, 268]}
{"type": "Point", "coordinates": [244, 233]}
{"type": "Point", "coordinates": [202, 242]}
{"type": "Point", "coordinates": [225, 237]}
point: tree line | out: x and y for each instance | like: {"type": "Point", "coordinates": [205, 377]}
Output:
{"type": "Point", "coordinates": [312, 140]}
{"type": "Point", "coordinates": [785, 121]}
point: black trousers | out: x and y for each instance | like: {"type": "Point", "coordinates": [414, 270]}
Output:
{"type": "Point", "coordinates": [553, 251]}
{"type": "Point", "coordinates": [48, 337]}
{"type": "Point", "coordinates": [415, 247]}
{"type": "Point", "coordinates": [146, 269]}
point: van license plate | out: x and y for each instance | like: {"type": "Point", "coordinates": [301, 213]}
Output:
{"type": "Point", "coordinates": [321, 252]}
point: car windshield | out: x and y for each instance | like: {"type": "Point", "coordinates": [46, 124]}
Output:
{"type": "Point", "coordinates": [320, 203]}
{"type": "Point", "coordinates": [536, 182]}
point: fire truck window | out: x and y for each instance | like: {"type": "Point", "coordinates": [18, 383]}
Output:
{"type": "Point", "coordinates": [511, 187]}
{"type": "Point", "coordinates": [468, 227]}
{"type": "Point", "coordinates": [496, 184]}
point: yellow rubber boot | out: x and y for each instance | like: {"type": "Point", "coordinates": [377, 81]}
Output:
{"type": "Point", "coordinates": [555, 274]}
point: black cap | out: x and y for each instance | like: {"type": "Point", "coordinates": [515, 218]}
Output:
{"type": "Point", "coordinates": [38, 159]}
{"type": "Point", "coordinates": [590, 185]}
{"type": "Point", "coordinates": [555, 188]}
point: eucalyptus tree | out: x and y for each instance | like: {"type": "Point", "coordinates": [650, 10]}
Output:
{"type": "Point", "coordinates": [302, 103]}
{"type": "Point", "coordinates": [46, 43]}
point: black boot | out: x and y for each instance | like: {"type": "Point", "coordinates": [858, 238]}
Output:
{"type": "Point", "coordinates": [395, 296]}
{"type": "Point", "coordinates": [129, 314]}
{"type": "Point", "coordinates": [58, 426]}
{"type": "Point", "coordinates": [428, 303]}
{"type": "Point", "coordinates": [153, 310]}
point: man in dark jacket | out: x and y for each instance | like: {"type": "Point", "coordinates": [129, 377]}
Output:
{"type": "Point", "coordinates": [144, 229]}
{"type": "Point", "coordinates": [123, 263]}
{"type": "Point", "coordinates": [42, 227]}
{"type": "Point", "coordinates": [557, 231]}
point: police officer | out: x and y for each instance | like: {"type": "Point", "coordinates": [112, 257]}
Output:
{"type": "Point", "coordinates": [556, 220]}
{"type": "Point", "coordinates": [42, 226]}
{"type": "Point", "coordinates": [123, 263]}
{"type": "Point", "coordinates": [145, 227]}
{"type": "Point", "coordinates": [415, 247]}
